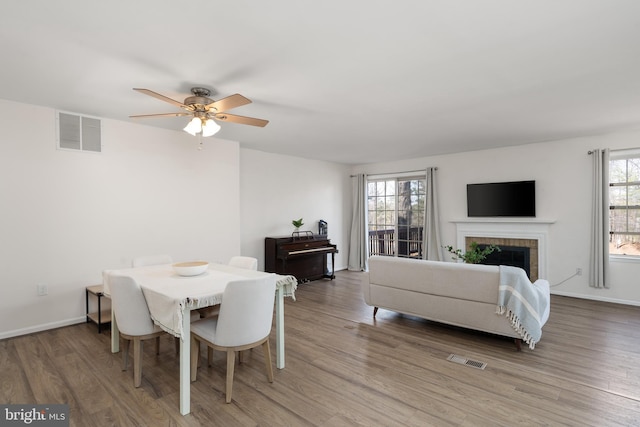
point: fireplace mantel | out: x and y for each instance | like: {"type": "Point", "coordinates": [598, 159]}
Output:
{"type": "Point", "coordinates": [508, 228]}
{"type": "Point", "coordinates": [504, 221]}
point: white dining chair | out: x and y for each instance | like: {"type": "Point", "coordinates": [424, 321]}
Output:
{"type": "Point", "coordinates": [247, 262]}
{"type": "Point", "coordinates": [244, 322]}
{"type": "Point", "coordinates": [134, 321]}
{"type": "Point", "coordinates": [145, 260]}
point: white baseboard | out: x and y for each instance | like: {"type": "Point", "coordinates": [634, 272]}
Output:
{"type": "Point", "coordinates": [42, 327]}
{"type": "Point", "coordinates": [596, 298]}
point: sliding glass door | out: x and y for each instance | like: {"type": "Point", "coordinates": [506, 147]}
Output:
{"type": "Point", "coordinates": [396, 216]}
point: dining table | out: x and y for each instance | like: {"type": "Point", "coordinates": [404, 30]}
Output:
{"type": "Point", "coordinates": [171, 297]}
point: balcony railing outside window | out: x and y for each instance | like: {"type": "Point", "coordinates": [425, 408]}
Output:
{"type": "Point", "coordinates": [383, 242]}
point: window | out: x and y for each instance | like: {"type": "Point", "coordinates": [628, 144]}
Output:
{"type": "Point", "coordinates": [396, 216]}
{"type": "Point", "coordinates": [624, 203]}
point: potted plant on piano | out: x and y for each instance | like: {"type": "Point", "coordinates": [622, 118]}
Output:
{"type": "Point", "coordinates": [297, 223]}
{"type": "Point", "coordinates": [297, 234]}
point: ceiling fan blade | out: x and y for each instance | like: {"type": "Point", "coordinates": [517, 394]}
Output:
{"type": "Point", "coordinates": [142, 116]}
{"type": "Point", "coordinates": [229, 102]}
{"type": "Point", "coordinates": [241, 119]}
{"type": "Point", "coordinates": [161, 97]}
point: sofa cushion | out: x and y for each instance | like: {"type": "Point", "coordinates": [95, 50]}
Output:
{"type": "Point", "coordinates": [473, 282]}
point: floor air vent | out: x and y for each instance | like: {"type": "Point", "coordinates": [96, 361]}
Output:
{"type": "Point", "coordinates": [467, 362]}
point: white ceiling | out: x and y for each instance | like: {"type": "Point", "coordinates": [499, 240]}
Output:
{"type": "Point", "coordinates": [354, 81]}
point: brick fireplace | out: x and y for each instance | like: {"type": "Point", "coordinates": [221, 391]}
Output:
{"type": "Point", "coordinates": [520, 233]}
{"type": "Point", "coordinates": [531, 245]}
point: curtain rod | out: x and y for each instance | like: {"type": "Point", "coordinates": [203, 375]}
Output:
{"type": "Point", "coordinates": [619, 149]}
{"type": "Point", "coordinates": [397, 173]}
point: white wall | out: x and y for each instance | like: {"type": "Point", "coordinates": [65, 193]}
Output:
{"type": "Point", "coordinates": [276, 189]}
{"type": "Point", "coordinates": [65, 216]}
{"type": "Point", "coordinates": [562, 171]}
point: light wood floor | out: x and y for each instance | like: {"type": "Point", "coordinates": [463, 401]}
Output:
{"type": "Point", "coordinates": [343, 368]}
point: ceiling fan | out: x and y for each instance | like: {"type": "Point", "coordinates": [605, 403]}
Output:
{"type": "Point", "coordinates": [204, 110]}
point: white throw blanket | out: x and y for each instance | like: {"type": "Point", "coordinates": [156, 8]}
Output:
{"type": "Point", "coordinates": [524, 303]}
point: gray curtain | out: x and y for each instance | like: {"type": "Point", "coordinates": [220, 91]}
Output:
{"type": "Point", "coordinates": [358, 247]}
{"type": "Point", "coordinates": [432, 246]}
{"type": "Point", "coordinates": [599, 268]}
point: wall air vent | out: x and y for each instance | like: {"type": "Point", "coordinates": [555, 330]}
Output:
{"type": "Point", "coordinates": [75, 132]}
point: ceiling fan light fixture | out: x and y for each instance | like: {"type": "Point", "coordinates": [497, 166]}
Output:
{"type": "Point", "coordinates": [194, 126]}
{"type": "Point", "coordinates": [203, 109]}
{"type": "Point", "coordinates": [209, 127]}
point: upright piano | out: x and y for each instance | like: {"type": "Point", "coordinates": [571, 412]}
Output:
{"type": "Point", "coordinates": [301, 255]}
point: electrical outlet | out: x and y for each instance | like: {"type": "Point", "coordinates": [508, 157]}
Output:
{"type": "Point", "coordinates": [42, 290]}
{"type": "Point", "coordinates": [578, 271]}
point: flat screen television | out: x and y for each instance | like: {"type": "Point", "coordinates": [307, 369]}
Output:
{"type": "Point", "coordinates": [516, 199]}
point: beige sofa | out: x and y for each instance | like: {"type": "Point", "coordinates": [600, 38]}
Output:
{"type": "Point", "coordinates": [458, 294]}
